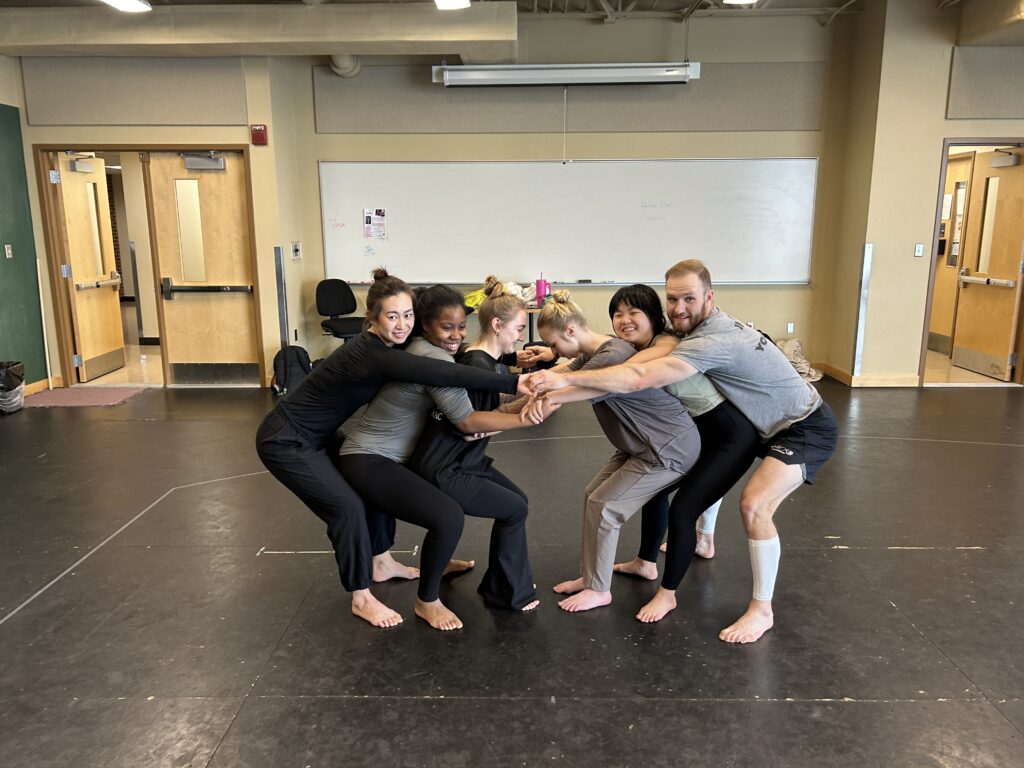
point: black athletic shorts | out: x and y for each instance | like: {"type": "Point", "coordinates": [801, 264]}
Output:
{"type": "Point", "coordinates": [808, 443]}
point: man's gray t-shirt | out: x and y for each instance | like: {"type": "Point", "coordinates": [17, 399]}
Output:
{"type": "Point", "coordinates": [650, 424]}
{"type": "Point", "coordinates": [394, 419]}
{"type": "Point", "coordinates": [750, 371]}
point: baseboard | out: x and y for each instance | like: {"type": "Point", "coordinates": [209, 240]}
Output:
{"type": "Point", "coordinates": [36, 386]}
{"type": "Point", "coordinates": [887, 380]}
{"type": "Point", "coordinates": [832, 372]}
{"type": "Point", "coordinates": [153, 341]}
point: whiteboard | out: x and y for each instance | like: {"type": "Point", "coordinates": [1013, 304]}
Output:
{"type": "Point", "coordinates": [749, 220]}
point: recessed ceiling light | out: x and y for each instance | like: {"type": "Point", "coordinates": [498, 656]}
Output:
{"type": "Point", "coordinates": [451, 5]}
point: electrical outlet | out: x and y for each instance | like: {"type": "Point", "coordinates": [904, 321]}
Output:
{"type": "Point", "coordinates": [296, 251]}
{"type": "Point", "coordinates": [8, 250]}
{"type": "Point", "coordinates": [789, 327]}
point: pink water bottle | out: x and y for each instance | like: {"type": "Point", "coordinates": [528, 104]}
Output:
{"type": "Point", "coordinates": [543, 289]}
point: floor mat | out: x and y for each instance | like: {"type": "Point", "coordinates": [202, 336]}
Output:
{"type": "Point", "coordinates": [72, 397]}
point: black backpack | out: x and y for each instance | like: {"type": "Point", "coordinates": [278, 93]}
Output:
{"type": "Point", "coordinates": [291, 366]}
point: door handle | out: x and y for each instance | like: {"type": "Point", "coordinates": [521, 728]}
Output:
{"type": "Point", "coordinates": [114, 280]}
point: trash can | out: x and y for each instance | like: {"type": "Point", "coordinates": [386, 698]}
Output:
{"type": "Point", "coordinates": [12, 386]}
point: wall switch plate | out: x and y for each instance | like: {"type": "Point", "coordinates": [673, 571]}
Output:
{"type": "Point", "coordinates": [789, 327]}
{"type": "Point", "coordinates": [8, 250]}
{"type": "Point", "coordinates": [919, 249]}
{"type": "Point", "coordinates": [296, 251]}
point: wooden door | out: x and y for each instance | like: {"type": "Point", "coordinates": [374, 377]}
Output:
{"type": "Point", "coordinates": [988, 309]}
{"type": "Point", "coordinates": [88, 268]}
{"type": "Point", "coordinates": [200, 234]}
{"type": "Point", "coordinates": [948, 257]}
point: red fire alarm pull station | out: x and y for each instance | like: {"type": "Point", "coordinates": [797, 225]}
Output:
{"type": "Point", "coordinates": [259, 135]}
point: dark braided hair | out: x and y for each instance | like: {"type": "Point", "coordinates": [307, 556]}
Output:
{"type": "Point", "coordinates": [430, 302]}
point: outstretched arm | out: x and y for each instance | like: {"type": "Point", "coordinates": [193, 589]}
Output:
{"type": "Point", "coordinates": [628, 377]}
{"type": "Point", "coordinates": [491, 421]}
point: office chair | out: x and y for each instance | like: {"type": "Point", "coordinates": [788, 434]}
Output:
{"type": "Point", "coordinates": [334, 298]}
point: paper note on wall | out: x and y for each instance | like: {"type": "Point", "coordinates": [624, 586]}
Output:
{"type": "Point", "coordinates": [375, 223]}
{"type": "Point", "coordinates": [947, 206]}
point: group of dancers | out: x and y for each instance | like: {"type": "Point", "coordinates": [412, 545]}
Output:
{"type": "Point", "coordinates": [688, 408]}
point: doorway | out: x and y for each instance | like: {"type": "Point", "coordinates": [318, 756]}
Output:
{"type": "Point", "coordinates": [152, 265]}
{"type": "Point", "coordinates": [973, 329]}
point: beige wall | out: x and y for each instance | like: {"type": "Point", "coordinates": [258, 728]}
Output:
{"type": "Point", "coordinates": [908, 157]}
{"type": "Point", "coordinates": [880, 148]}
{"type": "Point", "coordinates": [264, 184]}
{"type": "Point", "coordinates": [775, 39]}
{"type": "Point", "coordinates": [9, 81]}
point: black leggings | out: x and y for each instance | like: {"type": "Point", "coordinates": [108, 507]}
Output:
{"type": "Point", "coordinates": [390, 487]}
{"type": "Point", "coordinates": [729, 444]}
{"type": "Point", "coordinates": [307, 471]}
{"type": "Point", "coordinates": [508, 580]}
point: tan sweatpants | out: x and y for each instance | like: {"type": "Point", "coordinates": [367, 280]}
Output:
{"type": "Point", "coordinates": [615, 494]}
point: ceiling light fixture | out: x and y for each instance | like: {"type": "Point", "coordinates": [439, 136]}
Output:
{"type": "Point", "coordinates": [130, 6]}
{"type": "Point", "coordinates": [451, 5]}
{"type": "Point", "coordinates": [739, 2]}
{"type": "Point", "coordinates": [565, 74]}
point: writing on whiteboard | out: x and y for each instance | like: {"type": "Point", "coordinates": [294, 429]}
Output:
{"type": "Point", "coordinates": [658, 204]}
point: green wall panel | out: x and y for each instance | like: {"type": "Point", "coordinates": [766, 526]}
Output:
{"type": "Point", "coordinates": [21, 329]}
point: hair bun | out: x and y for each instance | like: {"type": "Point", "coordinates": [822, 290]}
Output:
{"type": "Point", "coordinates": [562, 296]}
{"type": "Point", "coordinates": [380, 274]}
{"type": "Point", "coordinates": [492, 286]}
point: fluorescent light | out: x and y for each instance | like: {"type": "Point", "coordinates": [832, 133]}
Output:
{"type": "Point", "coordinates": [565, 74]}
{"type": "Point", "coordinates": [451, 5]}
{"type": "Point", "coordinates": [739, 2]}
{"type": "Point", "coordinates": [130, 6]}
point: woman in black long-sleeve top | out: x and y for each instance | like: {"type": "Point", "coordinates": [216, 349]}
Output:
{"type": "Point", "coordinates": [293, 438]}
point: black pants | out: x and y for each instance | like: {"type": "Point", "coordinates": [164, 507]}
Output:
{"type": "Point", "coordinates": [307, 471]}
{"type": "Point", "coordinates": [391, 488]}
{"type": "Point", "coordinates": [729, 443]}
{"type": "Point", "coordinates": [508, 580]}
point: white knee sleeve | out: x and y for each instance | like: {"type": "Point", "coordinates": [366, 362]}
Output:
{"type": "Point", "coordinates": [764, 563]}
{"type": "Point", "coordinates": [706, 522]}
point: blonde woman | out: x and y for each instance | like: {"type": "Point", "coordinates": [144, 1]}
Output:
{"type": "Point", "coordinates": [655, 439]}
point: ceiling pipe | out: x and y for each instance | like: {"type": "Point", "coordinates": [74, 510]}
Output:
{"type": "Point", "coordinates": [345, 65]}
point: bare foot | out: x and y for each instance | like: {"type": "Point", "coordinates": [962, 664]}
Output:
{"type": "Point", "coordinates": [585, 600]}
{"type": "Point", "coordinates": [705, 545]}
{"type": "Point", "coordinates": [569, 587]}
{"type": "Point", "coordinates": [386, 567]}
{"type": "Point", "coordinates": [664, 600]}
{"type": "Point", "coordinates": [663, 547]}
{"type": "Point", "coordinates": [638, 567]}
{"type": "Point", "coordinates": [456, 567]}
{"type": "Point", "coordinates": [530, 606]}
{"type": "Point", "coordinates": [749, 627]}
{"type": "Point", "coordinates": [437, 616]}
{"type": "Point", "coordinates": [369, 608]}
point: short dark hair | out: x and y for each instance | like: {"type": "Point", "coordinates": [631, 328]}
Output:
{"type": "Point", "coordinates": [430, 302]}
{"type": "Point", "coordinates": [644, 298]}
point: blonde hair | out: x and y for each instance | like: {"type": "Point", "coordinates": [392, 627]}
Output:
{"type": "Point", "coordinates": [690, 267]}
{"type": "Point", "coordinates": [498, 304]}
{"type": "Point", "coordinates": [560, 312]}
